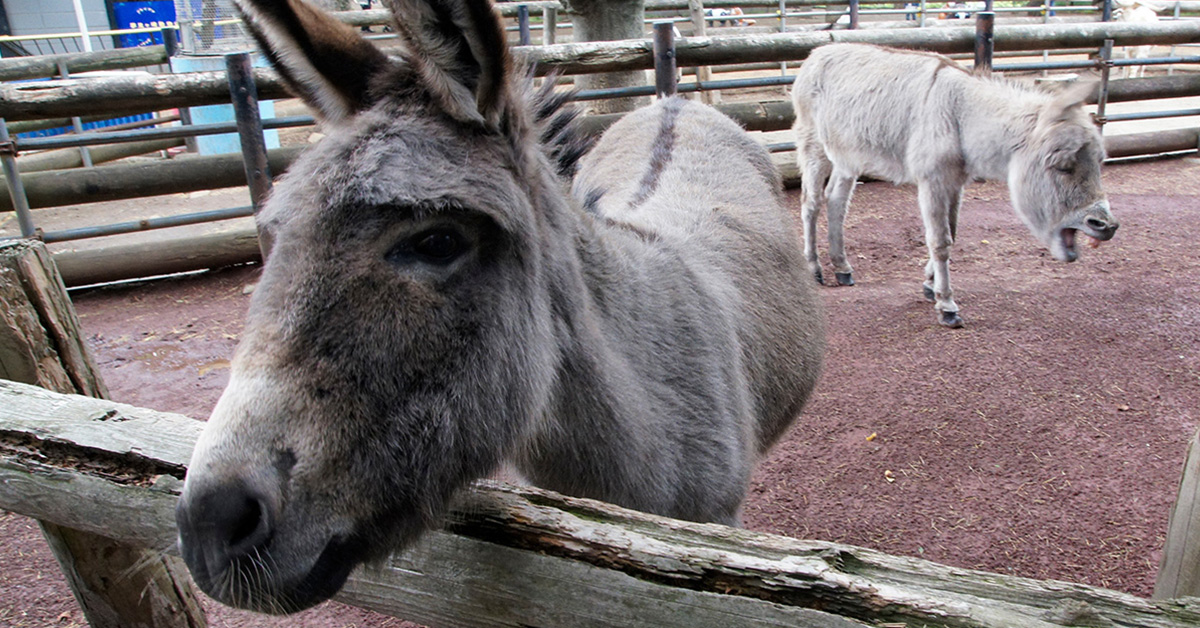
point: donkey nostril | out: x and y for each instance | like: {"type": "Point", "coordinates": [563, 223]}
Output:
{"type": "Point", "coordinates": [247, 524]}
{"type": "Point", "coordinates": [234, 519]}
{"type": "Point", "coordinates": [1097, 224]}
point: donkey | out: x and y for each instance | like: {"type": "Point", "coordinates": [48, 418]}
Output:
{"type": "Point", "coordinates": [438, 302]}
{"type": "Point", "coordinates": [913, 117]}
{"type": "Point", "coordinates": [1135, 11]}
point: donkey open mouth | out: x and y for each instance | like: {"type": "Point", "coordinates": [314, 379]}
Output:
{"type": "Point", "coordinates": [1096, 224]}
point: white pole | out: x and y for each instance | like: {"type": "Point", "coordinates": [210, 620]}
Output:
{"type": "Point", "coordinates": [83, 29]}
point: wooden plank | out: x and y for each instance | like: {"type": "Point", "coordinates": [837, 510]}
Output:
{"type": "Point", "coordinates": [125, 95]}
{"type": "Point", "coordinates": [137, 94]}
{"type": "Point", "coordinates": [1179, 570]}
{"type": "Point", "coordinates": [237, 244]}
{"type": "Point", "coordinates": [46, 66]}
{"type": "Point", "coordinates": [121, 181]}
{"type": "Point", "coordinates": [637, 54]}
{"type": "Point", "coordinates": [450, 580]}
{"type": "Point", "coordinates": [513, 556]}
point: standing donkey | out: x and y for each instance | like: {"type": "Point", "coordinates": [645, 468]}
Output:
{"type": "Point", "coordinates": [914, 117]}
{"type": "Point", "coordinates": [435, 304]}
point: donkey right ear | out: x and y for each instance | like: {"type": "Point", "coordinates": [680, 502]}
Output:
{"type": "Point", "coordinates": [325, 62]}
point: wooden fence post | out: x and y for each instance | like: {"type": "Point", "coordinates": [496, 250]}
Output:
{"type": "Point", "coordinates": [1179, 571]}
{"type": "Point", "coordinates": [116, 584]}
{"type": "Point", "coordinates": [699, 29]}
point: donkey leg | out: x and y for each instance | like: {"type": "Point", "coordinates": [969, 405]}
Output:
{"type": "Point", "coordinates": [814, 169]}
{"type": "Point", "coordinates": [927, 287]}
{"type": "Point", "coordinates": [839, 191]}
{"type": "Point", "coordinates": [939, 212]}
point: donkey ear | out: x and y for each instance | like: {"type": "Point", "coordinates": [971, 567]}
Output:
{"type": "Point", "coordinates": [1071, 97]}
{"type": "Point", "coordinates": [324, 61]}
{"type": "Point", "coordinates": [458, 49]}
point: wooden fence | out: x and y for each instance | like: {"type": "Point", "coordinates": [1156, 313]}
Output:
{"type": "Point", "coordinates": [138, 94]}
{"type": "Point", "coordinates": [512, 556]}
{"type": "Point", "coordinates": [141, 92]}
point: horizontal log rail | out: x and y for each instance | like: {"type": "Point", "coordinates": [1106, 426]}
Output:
{"type": "Point", "coordinates": [46, 66]}
{"type": "Point", "coordinates": [194, 173]}
{"type": "Point", "coordinates": [137, 94]}
{"type": "Point", "coordinates": [512, 556]}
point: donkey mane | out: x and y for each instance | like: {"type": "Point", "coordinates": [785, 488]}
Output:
{"type": "Point", "coordinates": [557, 117]}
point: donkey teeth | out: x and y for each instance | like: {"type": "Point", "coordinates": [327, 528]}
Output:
{"type": "Point", "coordinates": [1093, 242]}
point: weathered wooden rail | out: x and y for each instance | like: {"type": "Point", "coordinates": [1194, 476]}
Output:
{"type": "Point", "coordinates": [514, 556]}
{"type": "Point", "coordinates": [137, 94]}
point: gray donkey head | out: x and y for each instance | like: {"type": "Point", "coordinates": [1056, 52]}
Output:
{"type": "Point", "coordinates": [435, 303]}
{"type": "Point", "coordinates": [1054, 179]}
{"type": "Point", "coordinates": [402, 291]}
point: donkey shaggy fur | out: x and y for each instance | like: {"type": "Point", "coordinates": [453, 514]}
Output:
{"type": "Point", "coordinates": [438, 303]}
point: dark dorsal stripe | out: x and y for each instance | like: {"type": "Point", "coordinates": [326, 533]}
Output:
{"type": "Point", "coordinates": [660, 153]}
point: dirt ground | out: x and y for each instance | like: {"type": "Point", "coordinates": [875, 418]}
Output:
{"type": "Point", "coordinates": [1044, 439]}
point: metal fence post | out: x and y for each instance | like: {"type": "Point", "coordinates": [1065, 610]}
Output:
{"type": "Point", "coordinates": [170, 41]}
{"type": "Point", "coordinates": [549, 25]}
{"type": "Point", "coordinates": [1171, 68]}
{"type": "Point", "coordinates": [1105, 70]}
{"type": "Point", "coordinates": [187, 34]}
{"type": "Point", "coordinates": [85, 155]}
{"type": "Point", "coordinates": [985, 41]}
{"type": "Point", "coordinates": [664, 59]}
{"type": "Point", "coordinates": [16, 188]}
{"type": "Point", "coordinates": [783, 29]}
{"type": "Point", "coordinates": [1106, 11]}
{"type": "Point", "coordinates": [921, 17]}
{"type": "Point", "coordinates": [250, 132]}
{"type": "Point", "coordinates": [853, 14]}
{"type": "Point", "coordinates": [523, 24]}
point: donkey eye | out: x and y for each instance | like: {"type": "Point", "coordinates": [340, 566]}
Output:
{"type": "Point", "coordinates": [440, 245]}
{"type": "Point", "coordinates": [435, 246]}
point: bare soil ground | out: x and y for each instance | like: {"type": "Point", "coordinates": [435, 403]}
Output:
{"type": "Point", "coordinates": [1044, 439]}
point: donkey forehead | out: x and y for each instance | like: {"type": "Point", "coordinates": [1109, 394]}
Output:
{"type": "Point", "coordinates": [375, 163]}
{"type": "Point", "coordinates": [1073, 136]}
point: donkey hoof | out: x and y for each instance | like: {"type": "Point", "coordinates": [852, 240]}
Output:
{"type": "Point", "coordinates": [844, 279]}
{"type": "Point", "coordinates": [928, 292]}
{"type": "Point", "coordinates": [819, 277]}
{"type": "Point", "coordinates": [951, 320]}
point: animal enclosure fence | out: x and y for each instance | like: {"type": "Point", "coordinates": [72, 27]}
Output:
{"type": "Point", "coordinates": [512, 556]}
{"type": "Point", "coordinates": [139, 94]}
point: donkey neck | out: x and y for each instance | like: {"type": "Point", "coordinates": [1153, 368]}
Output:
{"type": "Point", "coordinates": [996, 118]}
{"type": "Point", "coordinates": [644, 359]}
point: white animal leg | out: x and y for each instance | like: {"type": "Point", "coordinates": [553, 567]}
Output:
{"type": "Point", "coordinates": [839, 191]}
{"type": "Point", "coordinates": [814, 169]}
{"type": "Point", "coordinates": [939, 212]}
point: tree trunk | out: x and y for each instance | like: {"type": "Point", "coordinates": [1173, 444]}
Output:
{"type": "Point", "coordinates": [117, 584]}
{"type": "Point", "coordinates": [610, 20]}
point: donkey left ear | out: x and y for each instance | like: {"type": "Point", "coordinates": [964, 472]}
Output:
{"type": "Point", "coordinates": [1075, 95]}
{"type": "Point", "coordinates": [458, 49]}
{"type": "Point", "coordinates": [325, 62]}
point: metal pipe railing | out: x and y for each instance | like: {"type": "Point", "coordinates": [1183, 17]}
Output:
{"type": "Point", "coordinates": [147, 224]}
{"type": "Point", "coordinates": [165, 133]}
